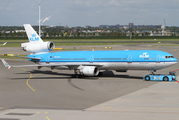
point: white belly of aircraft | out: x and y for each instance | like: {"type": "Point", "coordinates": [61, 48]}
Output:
{"type": "Point", "coordinates": [127, 66]}
{"type": "Point", "coordinates": [137, 66]}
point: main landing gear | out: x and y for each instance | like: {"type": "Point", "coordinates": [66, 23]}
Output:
{"type": "Point", "coordinates": [78, 74]}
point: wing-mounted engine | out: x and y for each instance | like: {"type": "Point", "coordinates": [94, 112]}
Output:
{"type": "Point", "coordinates": [38, 47]}
{"type": "Point", "coordinates": [90, 70]}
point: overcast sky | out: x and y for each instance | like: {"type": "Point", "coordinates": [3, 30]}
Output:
{"type": "Point", "coordinates": [90, 12]}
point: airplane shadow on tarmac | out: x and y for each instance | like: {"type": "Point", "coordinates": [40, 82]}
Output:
{"type": "Point", "coordinates": [106, 74]}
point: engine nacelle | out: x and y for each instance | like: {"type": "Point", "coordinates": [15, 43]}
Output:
{"type": "Point", "coordinates": [38, 47]}
{"type": "Point", "coordinates": [90, 71]}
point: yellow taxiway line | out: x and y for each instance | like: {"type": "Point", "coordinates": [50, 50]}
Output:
{"type": "Point", "coordinates": [27, 82]}
{"type": "Point", "coordinates": [47, 118]}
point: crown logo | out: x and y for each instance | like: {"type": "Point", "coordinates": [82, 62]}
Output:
{"type": "Point", "coordinates": [33, 35]}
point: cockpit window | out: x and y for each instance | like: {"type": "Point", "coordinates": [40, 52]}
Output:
{"type": "Point", "coordinates": [167, 57]}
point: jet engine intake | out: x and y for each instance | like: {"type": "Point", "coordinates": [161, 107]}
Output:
{"type": "Point", "coordinates": [90, 71]}
{"type": "Point", "coordinates": [38, 47]}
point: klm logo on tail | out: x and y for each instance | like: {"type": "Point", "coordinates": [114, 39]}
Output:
{"type": "Point", "coordinates": [34, 38]}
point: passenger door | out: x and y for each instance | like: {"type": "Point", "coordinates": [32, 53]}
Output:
{"type": "Point", "coordinates": [129, 62]}
{"type": "Point", "coordinates": [130, 59]}
{"type": "Point", "coordinates": [91, 59]}
{"type": "Point", "coordinates": [158, 59]}
{"type": "Point", "coordinates": [47, 59]}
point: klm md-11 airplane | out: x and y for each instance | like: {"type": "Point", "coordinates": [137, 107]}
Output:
{"type": "Point", "coordinates": [89, 63]}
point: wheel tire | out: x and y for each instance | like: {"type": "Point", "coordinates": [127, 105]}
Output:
{"type": "Point", "coordinates": [100, 74]}
{"type": "Point", "coordinates": [147, 78]}
{"type": "Point", "coordinates": [79, 76]}
{"type": "Point", "coordinates": [73, 76]}
{"type": "Point", "coordinates": [76, 76]}
{"type": "Point", "coordinates": [165, 78]}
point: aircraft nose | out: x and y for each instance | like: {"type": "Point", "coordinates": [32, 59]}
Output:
{"type": "Point", "coordinates": [175, 60]}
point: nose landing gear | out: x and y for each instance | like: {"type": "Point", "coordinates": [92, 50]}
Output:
{"type": "Point", "coordinates": [152, 71]}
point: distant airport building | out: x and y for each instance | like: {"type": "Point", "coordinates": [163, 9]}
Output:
{"type": "Point", "coordinates": [148, 26]}
{"type": "Point", "coordinates": [131, 25]}
{"type": "Point", "coordinates": [19, 31]}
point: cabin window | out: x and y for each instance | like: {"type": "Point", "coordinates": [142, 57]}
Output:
{"type": "Point", "coordinates": [167, 57]}
{"type": "Point", "coordinates": [110, 58]}
{"type": "Point", "coordinates": [69, 59]}
{"type": "Point", "coordinates": [149, 58]}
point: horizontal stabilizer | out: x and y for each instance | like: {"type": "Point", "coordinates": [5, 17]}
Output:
{"type": "Point", "coordinates": [29, 57]}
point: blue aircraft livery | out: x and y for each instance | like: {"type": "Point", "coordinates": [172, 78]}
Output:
{"type": "Point", "coordinates": [90, 63]}
{"type": "Point", "coordinates": [116, 60]}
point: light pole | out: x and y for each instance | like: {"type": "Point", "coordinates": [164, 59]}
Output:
{"type": "Point", "coordinates": [39, 18]}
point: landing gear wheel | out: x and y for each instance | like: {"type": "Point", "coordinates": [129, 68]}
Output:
{"type": "Point", "coordinates": [77, 76]}
{"type": "Point", "coordinates": [73, 76]}
{"type": "Point", "coordinates": [165, 78]}
{"type": "Point", "coordinates": [100, 74]}
{"type": "Point", "coordinates": [147, 78]}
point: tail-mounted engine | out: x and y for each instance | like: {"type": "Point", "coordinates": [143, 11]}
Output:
{"type": "Point", "coordinates": [38, 47]}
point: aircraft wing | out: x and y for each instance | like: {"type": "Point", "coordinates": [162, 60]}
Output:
{"type": "Point", "coordinates": [49, 65]}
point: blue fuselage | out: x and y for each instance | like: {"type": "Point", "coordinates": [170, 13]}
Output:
{"type": "Point", "coordinates": [115, 60]}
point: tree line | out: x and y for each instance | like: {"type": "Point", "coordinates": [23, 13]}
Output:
{"type": "Point", "coordinates": [60, 32]}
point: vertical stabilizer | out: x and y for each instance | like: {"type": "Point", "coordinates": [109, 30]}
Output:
{"type": "Point", "coordinates": [35, 44]}
{"type": "Point", "coordinates": [32, 34]}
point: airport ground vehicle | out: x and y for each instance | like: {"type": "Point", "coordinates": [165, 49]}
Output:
{"type": "Point", "coordinates": [160, 77]}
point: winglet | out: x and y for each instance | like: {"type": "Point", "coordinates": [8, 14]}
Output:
{"type": "Point", "coordinates": [5, 63]}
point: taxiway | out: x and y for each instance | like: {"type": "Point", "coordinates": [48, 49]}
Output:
{"type": "Point", "coordinates": [29, 93]}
